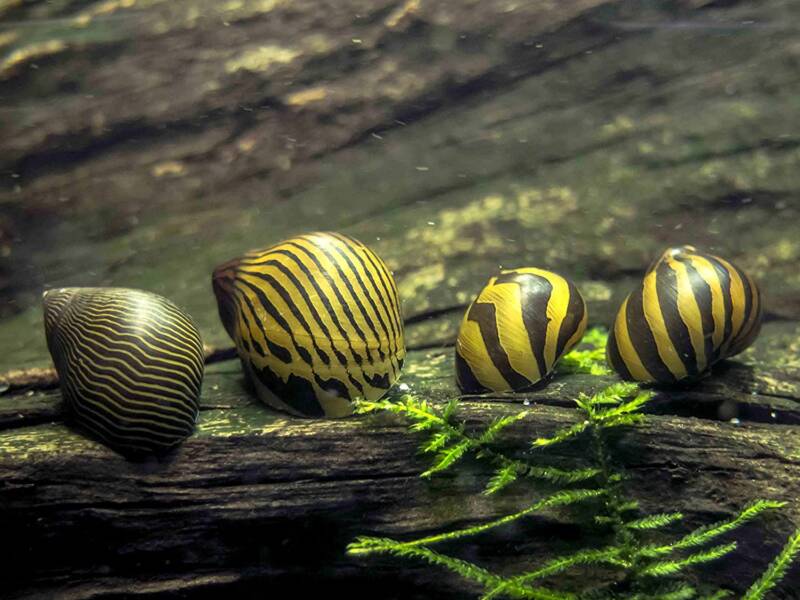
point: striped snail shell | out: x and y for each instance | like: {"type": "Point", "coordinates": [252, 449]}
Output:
{"type": "Point", "coordinates": [691, 310]}
{"type": "Point", "coordinates": [316, 321]}
{"type": "Point", "coordinates": [130, 365]}
{"type": "Point", "coordinates": [517, 328]}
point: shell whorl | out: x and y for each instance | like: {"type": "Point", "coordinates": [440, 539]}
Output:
{"type": "Point", "coordinates": [130, 364]}
{"type": "Point", "coordinates": [691, 310]}
{"type": "Point", "coordinates": [517, 328]}
{"type": "Point", "coordinates": [316, 321]}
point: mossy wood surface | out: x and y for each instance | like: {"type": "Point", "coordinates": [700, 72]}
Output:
{"type": "Point", "coordinates": [258, 501]}
{"type": "Point", "coordinates": [144, 142]}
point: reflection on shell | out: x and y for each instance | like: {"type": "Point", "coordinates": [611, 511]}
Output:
{"type": "Point", "coordinates": [316, 321]}
{"type": "Point", "coordinates": [691, 310]}
{"type": "Point", "coordinates": [130, 365]}
{"type": "Point", "coordinates": [517, 328]}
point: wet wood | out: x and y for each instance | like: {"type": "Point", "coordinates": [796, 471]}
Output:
{"type": "Point", "coordinates": [42, 378]}
{"type": "Point", "coordinates": [145, 142]}
{"type": "Point", "coordinates": [575, 137]}
{"type": "Point", "coordinates": [257, 497]}
{"type": "Point", "coordinates": [45, 378]}
{"type": "Point", "coordinates": [284, 498]}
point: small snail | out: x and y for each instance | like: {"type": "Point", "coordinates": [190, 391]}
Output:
{"type": "Point", "coordinates": [316, 321]}
{"type": "Point", "coordinates": [691, 310]}
{"type": "Point", "coordinates": [520, 324]}
{"type": "Point", "coordinates": [130, 364]}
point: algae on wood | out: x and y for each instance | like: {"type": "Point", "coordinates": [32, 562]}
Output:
{"type": "Point", "coordinates": [583, 136]}
{"type": "Point", "coordinates": [255, 496]}
{"type": "Point", "coordinates": [147, 141]}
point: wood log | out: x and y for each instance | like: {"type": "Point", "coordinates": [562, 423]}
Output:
{"type": "Point", "coordinates": [256, 499]}
{"type": "Point", "coordinates": [575, 137]}
{"type": "Point", "coordinates": [145, 142]}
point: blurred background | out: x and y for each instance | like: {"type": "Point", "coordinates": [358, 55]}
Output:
{"type": "Point", "coordinates": [142, 142]}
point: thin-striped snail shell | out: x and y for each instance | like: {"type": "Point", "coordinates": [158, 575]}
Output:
{"type": "Point", "coordinates": [130, 365]}
{"type": "Point", "coordinates": [517, 328]}
{"type": "Point", "coordinates": [691, 310]}
{"type": "Point", "coordinates": [316, 321]}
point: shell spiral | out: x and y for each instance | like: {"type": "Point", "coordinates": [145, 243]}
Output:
{"type": "Point", "coordinates": [130, 365]}
{"type": "Point", "coordinates": [691, 310]}
{"type": "Point", "coordinates": [517, 328]}
{"type": "Point", "coordinates": [316, 321]}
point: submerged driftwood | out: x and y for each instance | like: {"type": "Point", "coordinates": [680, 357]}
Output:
{"type": "Point", "coordinates": [583, 136]}
{"type": "Point", "coordinates": [257, 501]}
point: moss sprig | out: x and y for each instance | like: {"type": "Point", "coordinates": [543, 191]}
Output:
{"type": "Point", "coordinates": [588, 357]}
{"type": "Point", "coordinates": [449, 442]}
{"type": "Point", "coordinates": [776, 570]}
{"type": "Point", "coordinates": [639, 567]}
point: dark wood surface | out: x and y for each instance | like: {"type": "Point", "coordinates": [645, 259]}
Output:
{"type": "Point", "coordinates": [143, 143]}
{"type": "Point", "coordinates": [255, 498]}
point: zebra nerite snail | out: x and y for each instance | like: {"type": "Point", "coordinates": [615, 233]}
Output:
{"type": "Point", "coordinates": [520, 324]}
{"type": "Point", "coordinates": [130, 365]}
{"type": "Point", "coordinates": [316, 321]}
{"type": "Point", "coordinates": [691, 310]}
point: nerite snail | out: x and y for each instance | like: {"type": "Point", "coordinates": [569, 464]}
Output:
{"type": "Point", "coordinates": [691, 310]}
{"type": "Point", "coordinates": [130, 365]}
{"type": "Point", "coordinates": [517, 328]}
{"type": "Point", "coordinates": [316, 321]}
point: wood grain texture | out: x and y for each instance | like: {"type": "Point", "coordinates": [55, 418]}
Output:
{"type": "Point", "coordinates": [256, 498]}
{"type": "Point", "coordinates": [577, 138]}
{"type": "Point", "coordinates": [144, 142]}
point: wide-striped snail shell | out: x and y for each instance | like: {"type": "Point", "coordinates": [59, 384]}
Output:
{"type": "Point", "coordinates": [520, 324]}
{"type": "Point", "coordinates": [130, 365]}
{"type": "Point", "coordinates": [316, 321]}
{"type": "Point", "coordinates": [691, 310]}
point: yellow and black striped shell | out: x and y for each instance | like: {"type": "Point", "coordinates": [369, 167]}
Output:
{"type": "Point", "coordinates": [130, 365]}
{"type": "Point", "coordinates": [517, 328]}
{"type": "Point", "coordinates": [316, 321]}
{"type": "Point", "coordinates": [691, 310]}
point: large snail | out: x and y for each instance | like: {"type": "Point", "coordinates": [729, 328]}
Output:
{"type": "Point", "coordinates": [316, 321]}
{"type": "Point", "coordinates": [520, 324]}
{"type": "Point", "coordinates": [691, 310]}
{"type": "Point", "coordinates": [130, 365]}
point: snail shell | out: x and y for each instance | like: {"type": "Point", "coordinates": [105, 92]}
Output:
{"type": "Point", "coordinates": [130, 365]}
{"type": "Point", "coordinates": [691, 310]}
{"type": "Point", "coordinates": [316, 321]}
{"type": "Point", "coordinates": [517, 328]}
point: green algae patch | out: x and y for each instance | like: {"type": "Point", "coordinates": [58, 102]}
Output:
{"type": "Point", "coordinates": [51, 439]}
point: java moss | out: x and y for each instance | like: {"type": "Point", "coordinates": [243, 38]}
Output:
{"type": "Point", "coordinates": [640, 561]}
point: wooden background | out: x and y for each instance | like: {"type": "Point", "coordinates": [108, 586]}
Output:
{"type": "Point", "coordinates": [145, 141]}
